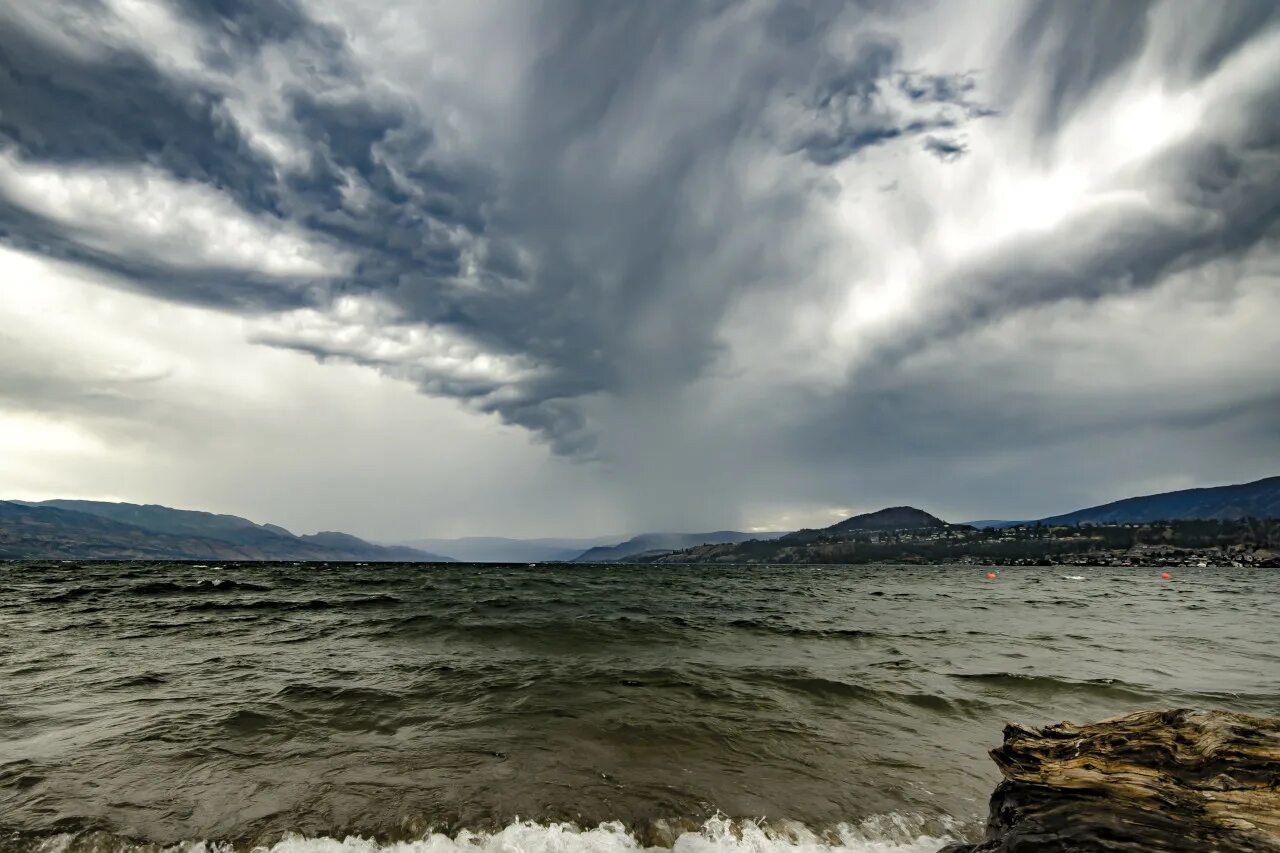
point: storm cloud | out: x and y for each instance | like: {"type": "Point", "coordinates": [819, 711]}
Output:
{"type": "Point", "coordinates": [726, 255]}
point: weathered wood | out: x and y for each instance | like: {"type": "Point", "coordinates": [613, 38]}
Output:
{"type": "Point", "coordinates": [1149, 781]}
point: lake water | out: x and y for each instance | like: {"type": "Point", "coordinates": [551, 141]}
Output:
{"type": "Point", "coordinates": [556, 709]}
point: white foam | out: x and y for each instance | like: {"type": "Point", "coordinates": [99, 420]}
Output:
{"type": "Point", "coordinates": [884, 834]}
{"type": "Point", "coordinates": [881, 834]}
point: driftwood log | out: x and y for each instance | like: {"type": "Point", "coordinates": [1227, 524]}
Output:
{"type": "Point", "coordinates": [1148, 781]}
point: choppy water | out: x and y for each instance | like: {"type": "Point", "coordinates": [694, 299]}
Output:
{"type": "Point", "coordinates": [571, 709]}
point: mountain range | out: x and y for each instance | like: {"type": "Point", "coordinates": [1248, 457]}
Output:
{"type": "Point", "coordinates": [64, 529]}
{"type": "Point", "coordinates": [1259, 499]}
{"type": "Point", "coordinates": [75, 529]}
{"type": "Point", "coordinates": [816, 545]}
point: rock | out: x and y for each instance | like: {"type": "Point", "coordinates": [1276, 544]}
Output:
{"type": "Point", "coordinates": [1147, 781]}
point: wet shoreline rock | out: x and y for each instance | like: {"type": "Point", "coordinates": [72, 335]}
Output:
{"type": "Point", "coordinates": [1146, 781]}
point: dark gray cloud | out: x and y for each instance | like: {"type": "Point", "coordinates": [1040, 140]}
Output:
{"type": "Point", "coordinates": [850, 106]}
{"type": "Point", "coordinates": [231, 289]}
{"type": "Point", "coordinates": [658, 201]}
{"type": "Point", "coordinates": [567, 262]}
{"type": "Point", "coordinates": [115, 107]}
{"type": "Point", "coordinates": [945, 149]}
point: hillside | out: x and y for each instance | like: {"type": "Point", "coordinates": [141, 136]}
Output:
{"type": "Point", "coordinates": [176, 522]}
{"type": "Point", "coordinates": [652, 544]}
{"type": "Point", "coordinates": [1259, 499]}
{"type": "Point", "coordinates": [1242, 543]}
{"type": "Point", "coordinates": [890, 518]}
{"type": "Point", "coordinates": [102, 530]}
{"type": "Point", "coordinates": [881, 528]}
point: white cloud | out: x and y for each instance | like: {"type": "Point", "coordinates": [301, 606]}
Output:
{"type": "Point", "coordinates": [901, 250]}
{"type": "Point", "coordinates": [144, 212]}
{"type": "Point", "coordinates": [367, 331]}
{"type": "Point", "coordinates": [111, 395]}
{"type": "Point", "coordinates": [1198, 345]}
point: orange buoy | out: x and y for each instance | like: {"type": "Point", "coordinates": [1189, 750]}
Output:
{"type": "Point", "coordinates": [991, 576]}
{"type": "Point", "coordinates": [1164, 576]}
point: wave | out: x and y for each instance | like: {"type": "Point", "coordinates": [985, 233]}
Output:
{"type": "Point", "coordinates": [263, 604]}
{"type": "Point", "coordinates": [303, 604]}
{"type": "Point", "coordinates": [215, 585]}
{"type": "Point", "coordinates": [767, 627]}
{"type": "Point", "coordinates": [70, 594]}
{"type": "Point", "coordinates": [1110, 687]}
{"type": "Point", "coordinates": [801, 681]}
{"type": "Point", "coordinates": [891, 833]}
{"type": "Point", "coordinates": [354, 697]}
{"type": "Point", "coordinates": [146, 679]}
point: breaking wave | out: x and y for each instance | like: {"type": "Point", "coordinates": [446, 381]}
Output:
{"type": "Point", "coordinates": [891, 833]}
{"type": "Point", "coordinates": [199, 586]}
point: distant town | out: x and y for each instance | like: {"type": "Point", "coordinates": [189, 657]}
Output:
{"type": "Point", "coordinates": [1243, 543]}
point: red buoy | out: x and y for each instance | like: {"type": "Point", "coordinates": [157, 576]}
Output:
{"type": "Point", "coordinates": [1164, 576]}
{"type": "Point", "coordinates": [991, 576]}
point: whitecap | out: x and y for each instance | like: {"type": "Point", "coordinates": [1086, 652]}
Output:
{"type": "Point", "coordinates": [881, 834]}
{"type": "Point", "coordinates": [891, 833]}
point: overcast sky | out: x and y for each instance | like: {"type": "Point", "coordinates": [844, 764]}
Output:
{"type": "Point", "coordinates": [415, 268]}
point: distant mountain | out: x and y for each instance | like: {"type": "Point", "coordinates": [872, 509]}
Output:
{"type": "Point", "coordinates": [63, 529]}
{"type": "Point", "coordinates": [497, 549]}
{"type": "Point", "coordinates": [997, 523]}
{"type": "Point", "coordinates": [652, 544]}
{"type": "Point", "coordinates": [177, 522]}
{"type": "Point", "coordinates": [345, 543]}
{"type": "Point", "coordinates": [827, 545]}
{"type": "Point", "coordinates": [891, 518]}
{"type": "Point", "coordinates": [1259, 499]}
